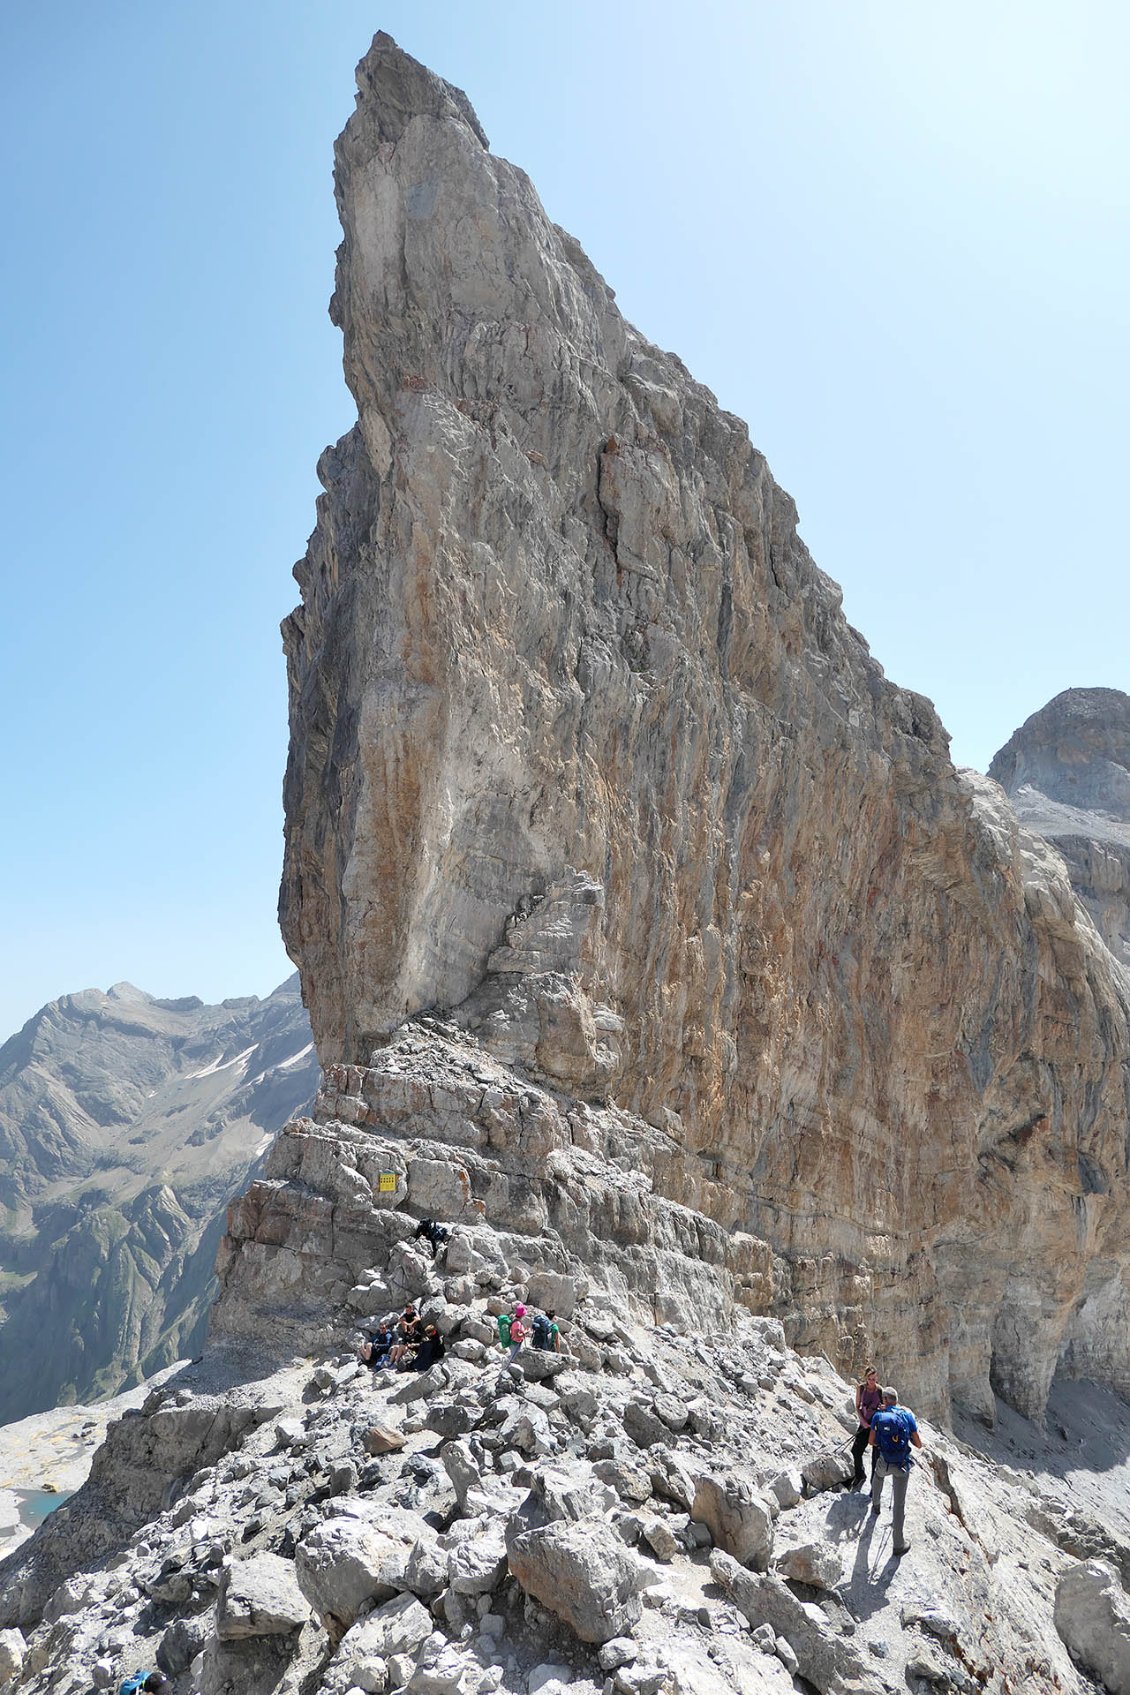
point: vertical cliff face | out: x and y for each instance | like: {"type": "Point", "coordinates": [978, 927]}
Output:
{"type": "Point", "coordinates": [1067, 773]}
{"type": "Point", "coordinates": [585, 756]}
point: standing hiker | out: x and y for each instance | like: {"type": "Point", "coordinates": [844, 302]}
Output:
{"type": "Point", "coordinates": [546, 1333]}
{"type": "Point", "coordinates": [518, 1332]}
{"type": "Point", "coordinates": [893, 1430]}
{"type": "Point", "coordinates": [868, 1400]}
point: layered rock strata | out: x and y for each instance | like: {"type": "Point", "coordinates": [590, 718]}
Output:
{"type": "Point", "coordinates": [585, 757]}
{"type": "Point", "coordinates": [1067, 773]}
{"type": "Point", "coordinates": [441, 1127]}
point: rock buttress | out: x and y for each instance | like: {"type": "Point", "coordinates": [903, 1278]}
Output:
{"type": "Point", "coordinates": [559, 634]}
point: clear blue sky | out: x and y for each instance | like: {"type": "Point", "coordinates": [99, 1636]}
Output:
{"type": "Point", "coordinates": [894, 238]}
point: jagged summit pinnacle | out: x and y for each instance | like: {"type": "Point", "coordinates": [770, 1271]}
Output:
{"type": "Point", "coordinates": [401, 88]}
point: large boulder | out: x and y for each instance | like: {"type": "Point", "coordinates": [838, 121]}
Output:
{"type": "Point", "coordinates": [476, 1561]}
{"type": "Point", "coordinates": [814, 1563]}
{"type": "Point", "coordinates": [644, 1425]}
{"type": "Point", "coordinates": [566, 1492]}
{"type": "Point", "coordinates": [737, 1515]}
{"type": "Point", "coordinates": [827, 1470]}
{"type": "Point", "coordinates": [400, 1626]}
{"type": "Point", "coordinates": [536, 1367]}
{"type": "Point", "coordinates": [553, 1291]}
{"type": "Point", "coordinates": [382, 1439]}
{"type": "Point", "coordinates": [581, 1572]}
{"type": "Point", "coordinates": [181, 1643]}
{"type": "Point", "coordinates": [260, 1597]}
{"type": "Point", "coordinates": [345, 1563]}
{"type": "Point", "coordinates": [823, 1658]}
{"type": "Point", "coordinates": [1092, 1615]}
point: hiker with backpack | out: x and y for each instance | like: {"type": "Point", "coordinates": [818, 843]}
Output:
{"type": "Point", "coordinates": [893, 1430]}
{"type": "Point", "coordinates": [518, 1331]}
{"type": "Point", "coordinates": [144, 1683]}
{"type": "Point", "coordinates": [434, 1234]}
{"type": "Point", "coordinates": [545, 1333]}
{"type": "Point", "coordinates": [868, 1400]}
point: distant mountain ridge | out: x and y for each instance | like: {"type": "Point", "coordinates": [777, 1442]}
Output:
{"type": "Point", "coordinates": [127, 1122]}
{"type": "Point", "coordinates": [1067, 772]}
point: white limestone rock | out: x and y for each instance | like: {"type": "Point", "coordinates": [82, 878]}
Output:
{"type": "Point", "coordinates": [344, 1563]}
{"type": "Point", "coordinates": [581, 1572]}
{"type": "Point", "coordinates": [814, 1563]}
{"type": "Point", "coordinates": [737, 1516]}
{"type": "Point", "coordinates": [12, 1651]}
{"type": "Point", "coordinates": [1092, 1615]}
{"type": "Point", "coordinates": [260, 1597]}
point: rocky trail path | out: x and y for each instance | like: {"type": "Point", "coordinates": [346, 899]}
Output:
{"type": "Point", "coordinates": [649, 1513]}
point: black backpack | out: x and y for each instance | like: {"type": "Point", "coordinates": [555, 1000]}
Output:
{"type": "Point", "coordinates": [543, 1333]}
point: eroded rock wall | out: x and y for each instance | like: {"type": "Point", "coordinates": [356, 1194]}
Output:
{"type": "Point", "coordinates": [584, 754]}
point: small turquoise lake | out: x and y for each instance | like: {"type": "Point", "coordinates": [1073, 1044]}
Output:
{"type": "Point", "coordinates": [37, 1504]}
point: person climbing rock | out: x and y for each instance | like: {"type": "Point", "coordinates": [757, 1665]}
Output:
{"type": "Point", "coordinates": [868, 1400]}
{"type": "Point", "coordinates": [893, 1430]}
{"type": "Point", "coordinates": [435, 1234]}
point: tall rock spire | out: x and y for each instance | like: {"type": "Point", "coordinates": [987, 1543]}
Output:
{"type": "Point", "coordinates": [585, 756]}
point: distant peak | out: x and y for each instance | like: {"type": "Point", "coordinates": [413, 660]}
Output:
{"type": "Point", "coordinates": [1075, 750]}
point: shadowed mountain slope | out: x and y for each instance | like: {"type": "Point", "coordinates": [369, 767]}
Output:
{"type": "Point", "coordinates": [126, 1124]}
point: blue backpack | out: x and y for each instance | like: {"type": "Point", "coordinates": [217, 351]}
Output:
{"type": "Point", "coordinates": [892, 1430]}
{"type": "Point", "coordinates": [132, 1685]}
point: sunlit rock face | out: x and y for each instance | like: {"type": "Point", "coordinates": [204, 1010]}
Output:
{"type": "Point", "coordinates": [585, 756]}
{"type": "Point", "coordinates": [1067, 773]}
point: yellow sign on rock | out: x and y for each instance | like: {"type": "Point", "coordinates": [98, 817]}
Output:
{"type": "Point", "coordinates": [388, 1182]}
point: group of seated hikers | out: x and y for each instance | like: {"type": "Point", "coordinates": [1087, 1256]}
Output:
{"type": "Point", "coordinates": [403, 1344]}
{"type": "Point", "coordinates": [406, 1343]}
{"type": "Point", "coordinates": [409, 1344]}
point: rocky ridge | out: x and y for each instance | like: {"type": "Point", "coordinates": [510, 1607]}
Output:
{"type": "Point", "coordinates": [1067, 773]}
{"type": "Point", "coordinates": [585, 759]}
{"type": "Point", "coordinates": [651, 1512]}
{"type": "Point", "coordinates": [126, 1123]}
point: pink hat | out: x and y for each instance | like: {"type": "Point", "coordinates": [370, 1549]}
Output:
{"type": "Point", "coordinates": [519, 1312]}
